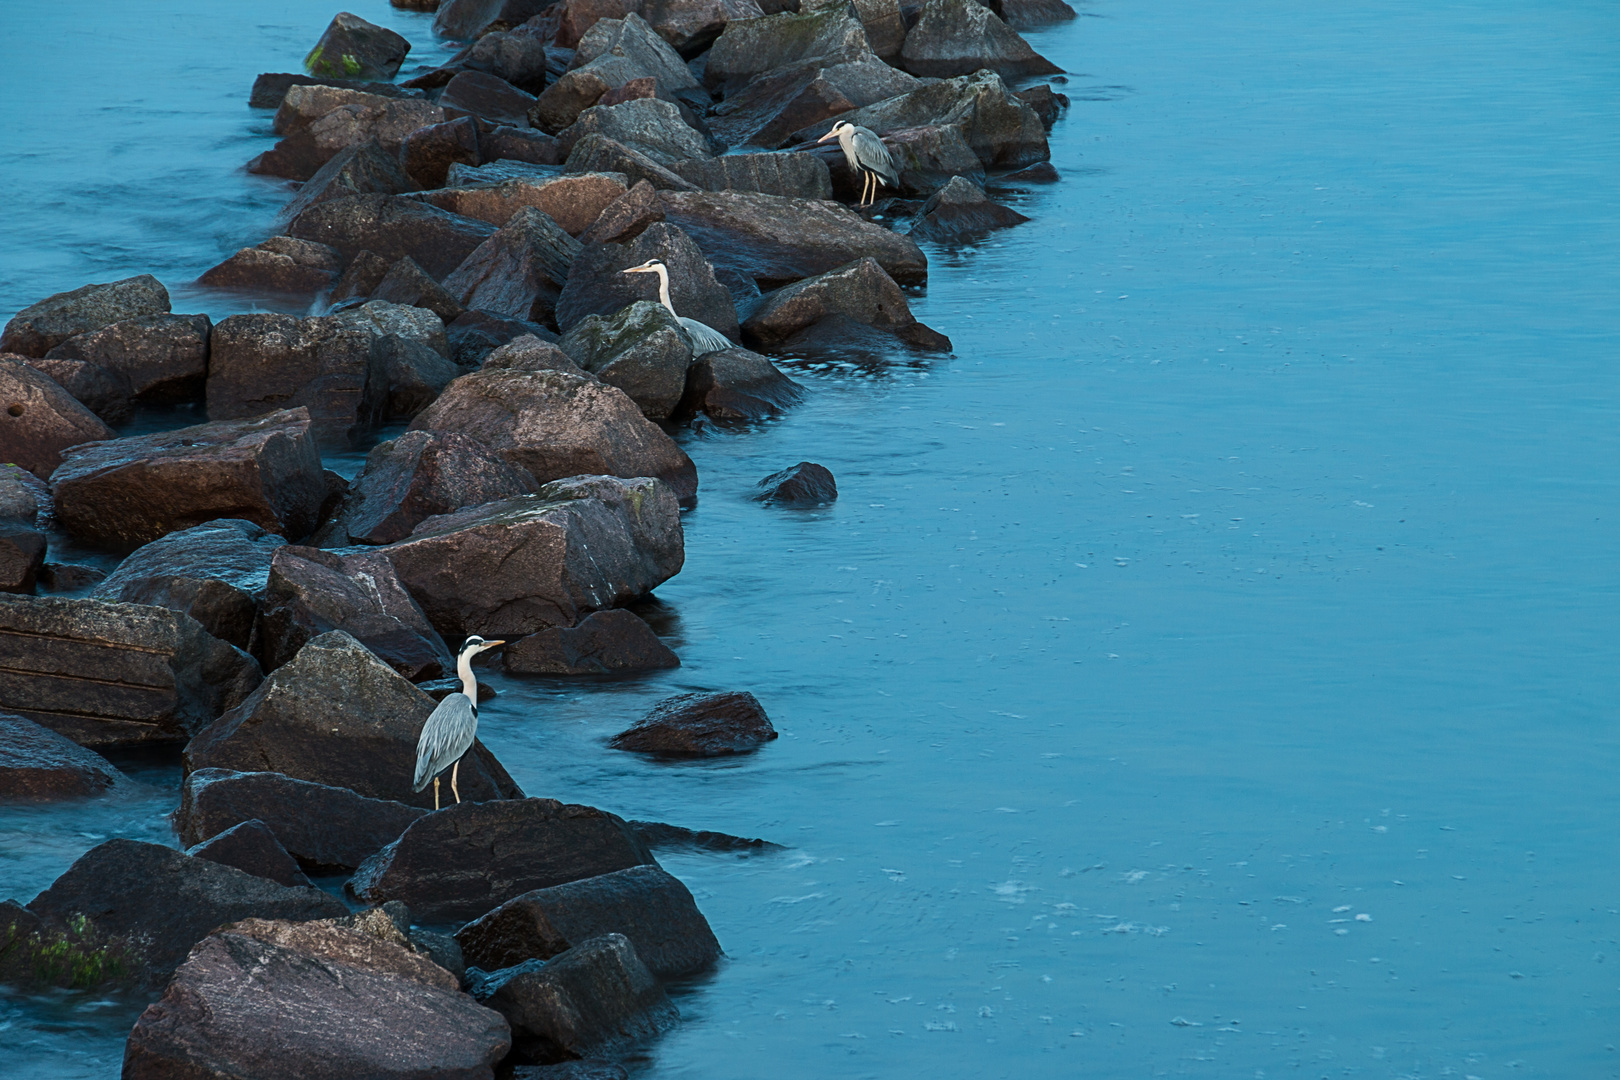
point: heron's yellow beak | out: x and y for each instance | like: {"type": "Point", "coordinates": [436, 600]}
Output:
{"type": "Point", "coordinates": [636, 270]}
{"type": "Point", "coordinates": [492, 644]}
{"type": "Point", "coordinates": [829, 135]}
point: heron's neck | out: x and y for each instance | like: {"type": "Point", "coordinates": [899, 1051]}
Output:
{"type": "Point", "coordinates": [469, 685]}
{"type": "Point", "coordinates": [663, 289]}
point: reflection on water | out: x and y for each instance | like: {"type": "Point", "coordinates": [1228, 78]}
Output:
{"type": "Point", "coordinates": [1207, 670]}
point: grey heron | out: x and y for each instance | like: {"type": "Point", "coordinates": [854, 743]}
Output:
{"type": "Point", "coordinates": [452, 726]}
{"type": "Point", "coordinates": [705, 339]}
{"type": "Point", "coordinates": [866, 155]}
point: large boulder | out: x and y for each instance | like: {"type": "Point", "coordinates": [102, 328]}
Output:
{"type": "Point", "coordinates": [24, 498]}
{"type": "Point", "coordinates": [468, 19]}
{"type": "Point", "coordinates": [519, 271]}
{"type": "Point", "coordinates": [737, 384]}
{"type": "Point", "coordinates": [690, 26]}
{"type": "Point", "coordinates": [604, 643]}
{"type": "Point", "coordinates": [160, 358]}
{"type": "Point", "coordinates": [40, 418]}
{"type": "Point", "coordinates": [960, 37]}
{"type": "Point", "coordinates": [393, 227]}
{"type": "Point", "coordinates": [22, 557]}
{"type": "Point", "coordinates": [523, 564]}
{"type": "Point", "coordinates": [488, 97]}
{"type": "Point", "coordinates": [114, 674]}
{"type": "Point", "coordinates": [362, 169]}
{"type": "Point", "coordinates": [408, 284]}
{"type": "Point", "coordinates": [929, 157]}
{"type": "Point", "coordinates": [275, 1001]}
{"type": "Point", "coordinates": [598, 153]}
{"type": "Point", "coordinates": [554, 425]}
{"type": "Point", "coordinates": [644, 903]}
{"type": "Point", "coordinates": [642, 350]}
{"type": "Point", "coordinates": [778, 103]}
{"type": "Point", "coordinates": [700, 725]}
{"type": "Point", "coordinates": [778, 240]}
{"type": "Point", "coordinates": [137, 489]}
{"type": "Point", "coordinates": [271, 87]}
{"type": "Point", "coordinates": [37, 764]}
{"type": "Point", "coordinates": [596, 998]}
{"type": "Point", "coordinates": [215, 572]}
{"type": "Point", "coordinates": [336, 714]}
{"type": "Point", "coordinates": [325, 827]}
{"type": "Point", "coordinates": [278, 265]}
{"type": "Point", "coordinates": [859, 291]}
{"type": "Point", "coordinates": [40, 327]}
{"type": "Point", "coordinates": [647, 52]}
{"type": "Point", "coordinates": [352, 48]}
{"type": "Point", "coordinates": [252, 846]}
{"type": "Point", "coordinates": [470, 858]}
{"type": "Point", "coordinates": [803, 176]}
{"type": "Point", "coordinates": [162, 901]}
{"type": "Point", "coordinates": [572, 201]}
{"type": "Point", "coordinates": [311, 592]}
{"type": "Point", "coordinates": [626, 217]}
{"type": "Point", "coordinates": [653, 127]}
{"type": "Point", "coordinates": [413, 373]}
{"type": "Point", "coordinates": [751, 47]}
{"type": "Point", "coordinates": [599, 286]}
{"type": "Point", "coordinates": [414, 477]}
{"type": "Point", "coordinates": [319, 122]}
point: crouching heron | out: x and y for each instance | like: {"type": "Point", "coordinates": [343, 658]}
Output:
{"type": "Point", "coordinates": [451, 728]}
{"type": "Point", "coordinates": [705, 338]}
{"type": "Point", "coordinates": [867, 156]}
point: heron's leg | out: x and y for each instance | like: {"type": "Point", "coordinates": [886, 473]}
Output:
{"type": "Point", "coordinates": [866, 178]}
{"type": "Point", "coordinates": [871, 188]}
{"type": "Point", "coordinates": [453, 790]}
{"type": "Point", "coordinates": [435, 793]}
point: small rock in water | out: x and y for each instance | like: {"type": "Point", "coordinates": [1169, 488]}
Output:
{"type": "Point", "coordinates": [962, 209]}
{"type": "Point", "coordinates": [659, 834]}
{"type": "Point", "coordinates": [700, 725]}
{"type": "Point", "coordinates": [38, 764]}
{"type": "Point", "coordinates": [607, 642]}
{"type": "Point", "coordinates": [1042, 172]}
{"type": "Point", "coordinates": [353, 48]}
{"type": "Point", "coordinates": [253, 847]}
{"type": "Point", "coordinates": [805, 483]}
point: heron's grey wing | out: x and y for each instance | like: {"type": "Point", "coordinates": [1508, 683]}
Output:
{"type": "Point", "coordinates": [705, 338]}
{"type": "Point", "coordinates": [447, 735]}
{"type": "Point", "coordinates": [873, 155]}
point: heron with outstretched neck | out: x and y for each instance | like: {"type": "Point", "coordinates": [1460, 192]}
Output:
{"type": "Point", "coordinates": [452, 726]}
{"type": "Point", "coordinates": [867, 156]}
{"type": "Point", "coordinates": [705, 338]}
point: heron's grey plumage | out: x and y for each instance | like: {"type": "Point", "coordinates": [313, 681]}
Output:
{"type": "Point", "coordinates": [448, 734]}
{"type": "Point", "coordinates": [705, 339]}
{"type": "Point", "coordinates": [864, 150]}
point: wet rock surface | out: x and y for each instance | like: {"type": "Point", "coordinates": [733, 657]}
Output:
{"type": "Point", "coordinates": [961, 209]}
{"type": "Point", "coordinates": [38, 765]}
{"type": "Point", "coordinates": [806, 484]}
{"type": "Point", "coordinates": [642, 350]}
{"type": "Point", "coordinates": [700, 725]}
{"type": "Point", "coordinates": [40, 327]}
{"type": "Point", "coordinates": [469, 858]}
{"type": "Point", "coordinates": [598, 153]}
{"type": "Point", "coordinates": [604, 643]}
{"type": "Point", "coordinates": [393, 227]}
{"type": "Point", "coordinates": [599, 286]}
{"type": "Point", "coordinates": [644, 903]}
{"type": "Point", "coordinates": [39, 419]}
{"type": "Point", "coordinates": [22, 557]}
{"type": "Point", "coordinates": [253, 847]}
{"type": "Point", "coordinates": [737, 385]}
{"type": "Point", "coordinates": [155, 358]}
{"type": "Point", "coordinates": [519, 271]}
{"type": "Point", "coordinates": [353, 48]}
{"type": "Point", "coordinates": [859, 291]}
{"type": "Point", "coordinates": [573, 201]}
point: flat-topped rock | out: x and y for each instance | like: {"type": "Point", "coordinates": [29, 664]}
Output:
{"type": "Point", "coordinates": [393, 227]}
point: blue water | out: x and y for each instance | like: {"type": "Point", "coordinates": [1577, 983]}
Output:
{"type": "Point", "coordinates": [1208, 670]}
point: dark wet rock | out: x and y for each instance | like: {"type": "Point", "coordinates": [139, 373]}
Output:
{"type": "Point", "coordinates": [214, 572]}
{"type": "Point", "coordinates": [573, 201]}
{"type": "Point", "coordinates": [428, 152]}
{"type": "Point", "coordinates": [645, 87]}
{"type": "Point", "coordinates": [161, 358]}
{"type": "Point", "coordinates": [270, 87]}
{"type": "Point", "coordinates": [586, 1069]}
{"type": "Point", "coordinates": [881, 19]}
{"type": "Point", "coordinates": [324, 826]}
{"type": "Point", "coordinates": [700, 725]}
{"type": "Point", "coordinates": [464, 20]}
{"type": "Point", "coordinates": [37, 764]}
{"type": "Point", "coordinates": [22, 557]}
{"type": "Point", "coordinates": [646, 50]}
{"type": "Point", "coordinates": [40, 327]}
{"type": "Point", "coordinates": [596, 998]}
{"type": "Point", "coordinates": [163, 901]}
{"type": "Point", "coordinates": [859, 290]}
{"type": "Point", "coordinates": [393, 227]}
{"type": "Point", "coordinates": [487, 97]}
{"type": "Point", "coordinates": [364, 273]}
{"type": "Point", "coordinates": [336, 714]}
{"type": "Point", "coordinates": [962, 209]}
{"type": "Point", "coordinates": [605, 643]}
{"type": "Point", "coordinates": [598, 285]}
{"type": "Point", "coordinates": [642, 350]}
{"type": "Point", "coordinates": [530, 353]}
{"type": "Point", "coordinates": [39, 419]}
{"type": "Point", "coordinates": [518, 56]}
{"type": "Point", "coordinates": [320, 122]}
{"type": "Point", "coordinates": [69, 577]}
{"type": "Point", "coordinates": [414, 374]}
{"type": "Point", "coordinates": [475, 334]}
{"type": "Point", "coordinates": [960, 37]}
{"type": "Point", "coordinates": [736, 384]}
{"type": "Point", "coordinates": [626, 217]}
{"type": "Point", "coordinates": [362, 169]}
{"type": "Point", "coordinates": [752, 47]}
{"type": "Point", "coordinates": [112, 674]}
{"type": "Point", "coordinates": [280, 264]}
{"type": "Point", "coordinates": [377, 938]}
{"type": "Point", "coordinates": [134, 490]}
{"type": "Point", "coordinates": [24, 498]}
{"type": "Point", "coordinates": [407, 283]}
{"type": "Point", "coordinates": [649, 126]}
{"type": "Point", "coordinates": [269, 361]}
{"type": "Point", "coordinates": [471, 857]}
{"type": "Point", "coordinates": [91, 385]}
{"type": "Point", "coordinates": [1029, 14]}
{"type": "Point", "coordinates": [253, 847]}
{"type": "Point", "coordinates": [771, 108]}
{"type": "Point", "coordinates": [519, 271]}
{"type": "Point", "coordinates": [805, 483]}
{"type": "Point", "coordinates": [644, 903]}
{"type": "Point", "coordinates": [779, 240]}
{"type": "Point", "coordinates": [352, 48]}
{"type": "Point", "coordinates": [311, 592]}
{"type": "Point", "coordinates": [1041, 172]}
{"type": "Point", "coordinates": [929, 157]}
{"type": "Point", "coordinates": [659, 834]}
{"type": "Point", "coordinates": [522, 145]}
{"type": "Point", "coordinates": [442, 950]}
{"type": "Point", "coordinates": [245, 1004]}
{"type": "Point", "coordinates": [1047, 103]}
{"type": "Point", "coordinates": [598, 153]}
{"type": "Point", "coordinates": [509, 568]}
{"type": "Point", "coordinates": [560, 104]}
{"type": "Point", "coordinates": [801, 176]}
{"type": "Point", "coordinates": [576, 17]}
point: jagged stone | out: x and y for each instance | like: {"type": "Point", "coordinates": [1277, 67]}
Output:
{"type": "Point", "coordinates": [803, 176]}
{"type": "Point", "coordinates": [352, 48]}
{"type": "Point", "coordinates": [642, 350]}
{"type": "Point", "coordinates": [407, 283]}
{"type": "Point", "coordinates": [751, 47]}
{"type": "Point", "coordinates": [1047, 103]}
{"type": "Point", "coordinates": [573, 201]}
{"type": "Point", "coordinates": [648, 52]}
{"type": "Point", "coordinates": [604, 643]}
{"type": "Point", "coordinates": [737, 384]}
{"type": "Point", "coordinates": [414, 374]}
{"type": "Point", "coordinates": [519, 270]}
{"type": "Point", "coordinates": [40, 327]}
{"type": "Point", "coordinates": [598, 153]}
{"type": "Point", "coordinates": [650, 126]}
{"type": "Point", "coordinates": [393, 227]}
{"type": "Point", "coordinates": [319, 122]}
{"type": "Point", "coordinates": [267, 361]}
{"type": "Point", "coordinates": [960, 37]}
{"type": "Point", "coordinates": [428, 152]}
{"type": "Point", "coordinates": [253, 847]}
{"type": "Point", "coordinates": [599, 286]}
{"type": "Point", "coordinates": [362, 169]}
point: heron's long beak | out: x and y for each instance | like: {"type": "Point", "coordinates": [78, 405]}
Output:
{"type": "Point", "coordinates": [492, 644]}
{"type": "Point", "coordinates": [829, 135]}
{"type": "Point", "coordinates": [636, 270]}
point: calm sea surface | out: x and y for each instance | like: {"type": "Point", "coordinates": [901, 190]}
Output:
{"type": "Point", "coordinates": [1208, 670]}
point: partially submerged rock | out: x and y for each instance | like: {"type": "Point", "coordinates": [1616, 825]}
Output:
{"type": "Point", "coordinates": [352, 48]}
{"type": "Point", "coordinates": [253, 847]}
{"type": "Point", "coordinates": [116, 674]}
{"type": "Point", "coordinates": [40, 419]}
{"type": "Point", "coordinates": [805, 484]}
{"type": "Point", "coordinates": [960, 37]}
{"type": "Point", "coordinates": [858, 290]}
{"type": "Point", "coordinates": [737, 384]}
{"type": "Point", "coordinates": [604, 643]}
{"type": "Point", "coordinates": [472, 857]}
{"type": "Point", "coordinates": [700, 725]}
{"type": "Point", "coordinates": [40, 327]}
{"type": "Point", "coordinates": [157, 358]}
{"type": "Point", "coordinates": [38, 765]}
{"type": "Point", "coordinates": [961, 209]}
{"type": "Point", "coordinates": [267, 361]}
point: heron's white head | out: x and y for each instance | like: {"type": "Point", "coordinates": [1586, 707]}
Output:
{"type": "Point", "coordinates": [476, 645]}
{"type": "Point", "coordinates": [837, 130]}
{"type": "Point", "coordinates": [651, 266]}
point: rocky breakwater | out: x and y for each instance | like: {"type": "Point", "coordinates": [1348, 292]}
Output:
{"type": "Point", "coordinates": [462, 239]}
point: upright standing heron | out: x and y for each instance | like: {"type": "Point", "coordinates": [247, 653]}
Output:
{"type": "Point", "coordinates": [452, 726]}
{"type": "Point", "coordinates": [867, 155]}
{"type": "Point", "coordinates": [705, 338]}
